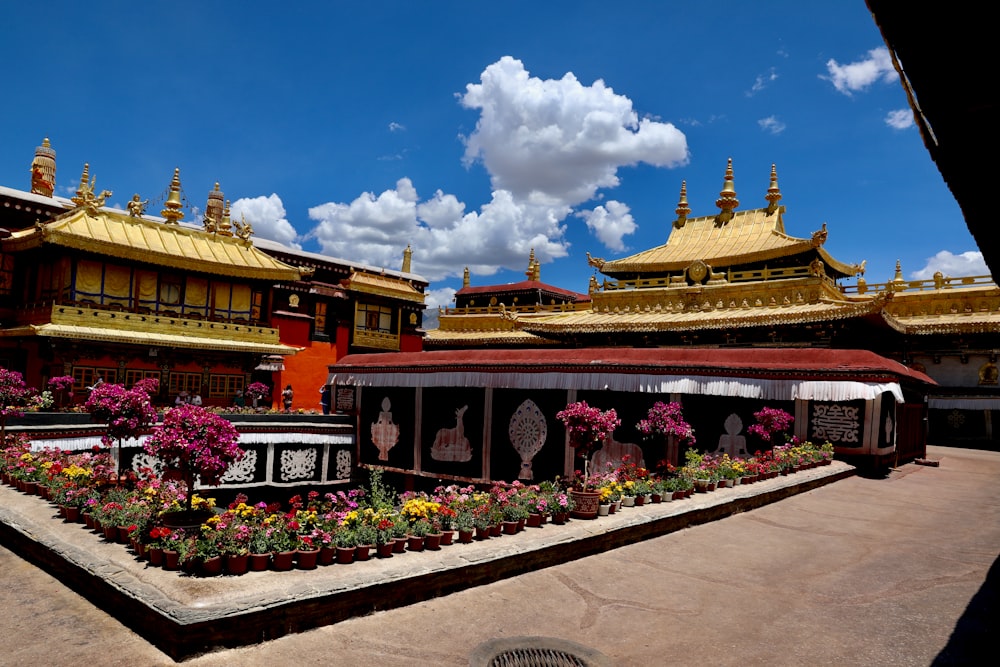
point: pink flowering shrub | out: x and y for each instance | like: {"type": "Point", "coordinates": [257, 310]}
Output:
{"type": "Point", "coordinates": [772, 424]}
{"type": "Point", "coordinates": [127, 412]}
{"type": "Point", "coordinates": [665, 419]}
{"type": "Point", "coordinates": [194, 442]}
{"type": "Point", "coordinates": [13, 395]}
{"type": "Point", "coordinates": [588, 429]}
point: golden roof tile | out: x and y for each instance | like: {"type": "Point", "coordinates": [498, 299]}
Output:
{"type": "Point", "coordinates": [133, 337]}
{"type": "Point", "coordinates": [116, 234]}
{"type": "Point", "coordinates": [749, 236]}
{"type": "Point", "coordinates": [648, 321]}
{"type": "Point", "coordinates": [383, 285]}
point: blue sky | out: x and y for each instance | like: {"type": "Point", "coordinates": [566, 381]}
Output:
{"type": "Point", "coordinates": [477, 131]}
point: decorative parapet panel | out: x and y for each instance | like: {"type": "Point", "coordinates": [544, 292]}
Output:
{"type": "Point", "coordinates": [376, 339]}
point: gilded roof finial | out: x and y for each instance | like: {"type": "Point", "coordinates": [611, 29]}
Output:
{"type": "Point", "coordinates": [898, 278]}
{"type": "Point", "coordinates": [727, 200]}
{"type": "Point", "coordinates": [244, 229]}
{"type": "Point", "coordinates": [84, 186]}
{"type": "Point", "coordinates": [172, 212]}
{"type": "Point", "coordinates": [43, 170]}
{"type": "Point", "coordinates": [407, 258]}
{"type": "Point", "coordinates": [465, 277]}
{"type": "Point", "coordinates": [213, 210]}
{"type": "Point", "coordinates": [530, 273]}
{"type": "Point", "coordinates": [85, 196]}
{"type": "Point", "coordinates": [225, 226]}
{"type": "Point", "coordinates": [773, 192]}
{"type": "Point", "coordinates": [682, 210]}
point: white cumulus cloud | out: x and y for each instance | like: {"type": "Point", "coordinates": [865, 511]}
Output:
{"type": "Point", "coordinates": [267, 215]}
{"type": "Point", "coordinates": [899, 119]}
{"type": "Point", "coordinates": [609, 223]}
{"type": "Point", "coordinates": [859, 75]}
{"type": "Point", "coordinates": [969, 263]}
{"type": "Point", "coordinates": [559, 141]}
{"type": "Point", "coordinates": [548, 146]}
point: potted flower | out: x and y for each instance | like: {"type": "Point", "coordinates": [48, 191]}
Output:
{"type": "Point", "coordinates": [587, 429]}
{"type": "Point", "coordinates": [772, 426]}
{"type": "Point", "coordinates": [256, 391]}
{"type": "Point", "coordinates": [666, 422]}
{"type": "Point", "coordinates": [192, 442]}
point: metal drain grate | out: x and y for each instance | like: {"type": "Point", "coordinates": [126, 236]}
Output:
{"type": "Point", "coordinates": [535, 652]}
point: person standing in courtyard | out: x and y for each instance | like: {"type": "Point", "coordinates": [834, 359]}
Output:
{"type": "Point", "coordinates": [324, 399]}
{"type": "Point", "coordinates": [286, 398]}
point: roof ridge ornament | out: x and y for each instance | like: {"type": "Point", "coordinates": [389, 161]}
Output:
{"type": "Point", "coordinates": [213, 210]}
{"type": "Point", "coordinates": [85, 197]}
{"type": "Point", "coordinates": [682, 210]}
{"type": "Point", "coordinates": [727, 201]}
{"type": "Point", "coordinates": [172, 212]}
{"type": "Point", "coordinates": [43, 170]}
{"type": "Point", "coordinates": [596, 262]}
{"type": "Point", "coordinates": [225, 227]}
{"type": "Point", "coordinates": [774, 193]}
{"type": "Point", "coordinates": [819, 237]}
{"type": "Point", "coordinates": [407, 258]}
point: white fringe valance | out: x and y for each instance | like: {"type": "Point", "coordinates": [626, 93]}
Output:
{"type": "Point", "coordinates": [82, 443]}
{"type": "Point", "coordinates": [773, 390]}
{"type": "Point", "coordinates": [965, 403]}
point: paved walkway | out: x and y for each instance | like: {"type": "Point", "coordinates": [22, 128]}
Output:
{"type": "Point", "coordinates": [858, 572]}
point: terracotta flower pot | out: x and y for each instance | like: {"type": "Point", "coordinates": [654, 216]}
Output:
{"type": "Point", "coordinates": [363, 551]}
{"type": "Point", "coordinates": [384, 550]}
{"type": "Point", "coordinates": [306, 559]}
{"type": "Point", "coordinates": [345, 555]}
{"type": "Point", "coordinates": [236, 564]}
{"type": "Point", "coordinates": [259, 562]}
{"type": "Point", "coordinates": [282, 561]}
{"type": "Point", "coordinates": [465, 536]}
{"type": "Point", "coordinates": [327, 555]}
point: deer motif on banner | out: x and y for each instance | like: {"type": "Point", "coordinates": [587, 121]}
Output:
{"type": "Point", "coordinates": [450, 444]}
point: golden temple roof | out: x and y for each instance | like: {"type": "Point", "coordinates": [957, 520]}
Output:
{"type": "Point", "coordinates": [383, 285]}
{"type": "Point", "coordinates": [116, 234]}
{"type": "Point", "coordinates": [653, 320]}
{"type": "Point", "coordinates": [482, 338]}
{"type": "Point", "coordinates": [749, 236]}
{"type": "Point", "coordinates": [155, 339]}
{"type": "Point", "coordinates": [968, 310]}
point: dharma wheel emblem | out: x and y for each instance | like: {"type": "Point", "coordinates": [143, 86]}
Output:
{"type": "Point", "coordinates": [697, 271]}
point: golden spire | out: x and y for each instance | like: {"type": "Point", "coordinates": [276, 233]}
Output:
{"type": "Point", "coordinates": [225, 227]}
{"type": "Point", "coordinates": [682, 210]}
{"type": "Point", "coordinates": [84, 187]}
{"type": "Point", "coordinates": [213, 210]}
{"type": "Point", "coordinates": [43, 170]}
{"type": "Point", "coordinates": [172, 212]}
{"type": "Point", "coordinates": [407, 257]}
{"type": "Point", "coordinates": [727, 201]}
{"type": "Point", "coordinates": [773, 192]}
{"type": "Point", "coordinates": [531, 265]}
{"type": "Point", "coordinates": [465, 277]}
{"type": "Point", "coordinates": [898, 278]}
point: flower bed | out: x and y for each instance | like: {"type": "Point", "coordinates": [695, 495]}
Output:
{"type": "Point", "coordinates": [140, 508]}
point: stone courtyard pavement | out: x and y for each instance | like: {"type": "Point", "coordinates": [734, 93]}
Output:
{"type": "Point", "coordinates": [820, 568]}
